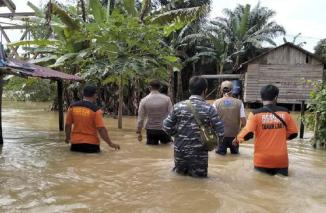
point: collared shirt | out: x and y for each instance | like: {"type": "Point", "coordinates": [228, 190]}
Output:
{"type": "Point", "coordinates": [182, 125]}
{"type": "Point", "coordinates": [86, 118]}
{"type": "Point", "coordinates": [270, 136]}
{"type": "Point", "coordinates": [155, 107]}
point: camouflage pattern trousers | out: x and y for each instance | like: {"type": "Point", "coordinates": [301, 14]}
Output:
{"type": "Point", "coordinates": [191, 162]}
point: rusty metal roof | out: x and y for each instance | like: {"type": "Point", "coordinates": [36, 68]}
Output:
{"type": "Point", "coordinates": [18, 67]}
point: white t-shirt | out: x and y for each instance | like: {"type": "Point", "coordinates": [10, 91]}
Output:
{"type": "Point", "coordinates": [242, 111]}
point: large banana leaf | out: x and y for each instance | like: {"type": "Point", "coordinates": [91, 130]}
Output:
{"type": "Point", "coordinates": [65, 18]}
{"type": "Point", "coordinates": [186, 15]}
{"type": "Point", "coordinates": [98, 11]}
{"type": "Point", "coordinates": [43, 60]}
{"type": "Point", "coordinates": [61, 60]}
{"type": "Point", "coordinates": [129, 5]}
{"type": "Point", "coordinates": [40, 42]}
{"type": "Point", "coordinates": [37, 11]}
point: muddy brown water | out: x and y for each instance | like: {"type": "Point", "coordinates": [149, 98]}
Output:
{"type": "Point", "coordinates": [38, 173]}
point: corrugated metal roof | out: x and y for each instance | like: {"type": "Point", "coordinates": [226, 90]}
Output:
{"type": "Point", "coordinates": [24, 68]}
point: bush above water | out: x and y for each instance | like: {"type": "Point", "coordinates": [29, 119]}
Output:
{"type": "Point", "coordinates": [31, 89]}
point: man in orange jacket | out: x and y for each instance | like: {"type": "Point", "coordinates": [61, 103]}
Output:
{"type": "Point", "coordinates": [272, 126]}
{"type": "Point", "coordinates": [84, 122]}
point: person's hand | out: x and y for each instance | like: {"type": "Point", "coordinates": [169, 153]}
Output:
{"type": "Point", "coordinates": [235, 142]}
{"type": "Point", "coordinates": [114, 146]}
{"type": "Point", "coordinates": [67, 140]}
{"type": "Point", "coordinates": [140, 137]}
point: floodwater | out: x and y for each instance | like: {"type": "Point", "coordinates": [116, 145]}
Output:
{"type": "Point", "coordinates": [38, 173]}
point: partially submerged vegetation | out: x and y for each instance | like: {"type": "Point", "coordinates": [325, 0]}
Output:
{"type": "Point", "coordinates": [316, 120]}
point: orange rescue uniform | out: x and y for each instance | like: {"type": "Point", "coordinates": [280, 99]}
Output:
{"type": "Point", "coordinates": [270, 146]}
{"type": "Point", "coordinates": [85, 118]}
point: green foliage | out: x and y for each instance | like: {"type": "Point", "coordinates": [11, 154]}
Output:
{"type": "Point", "coordinates": [320, 49]}
{"type": "Point", "coordinates": [31, 89]}
{"type": "Point", "coordinates": [244, 30]}
{"type": "Point", "coordinates": [317, 118]}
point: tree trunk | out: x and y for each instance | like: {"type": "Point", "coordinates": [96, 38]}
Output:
{"type": "Point", "coordinates": [1, 91]}
{"type": "Point", "coordinates": [180, 89]}
{"type": "Point", "coordinates": [171, 82]}
{"type": "Point", "coordinates": [120, 103]}
{"type": "Point", "coordinates": [193, 69]}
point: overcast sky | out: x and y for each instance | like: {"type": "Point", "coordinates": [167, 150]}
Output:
{"type": "Point", "coordinates": [296, 16]}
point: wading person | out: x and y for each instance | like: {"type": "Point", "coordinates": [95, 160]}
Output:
{"type": "Point", "coordinates": [154, 108]}
{"type": "Point", "coordinates": [232, 113]}
{"type": "Point", "coordinates": [190, 154]}
{"type": "Point", "coordinates": [84, 121]}
{"type": "Point", "coordinates": [272, 126]}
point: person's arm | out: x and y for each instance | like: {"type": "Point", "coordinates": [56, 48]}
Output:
{"type": "Point", "coordinates": [141, 119]}
{"type": "Point", "coordinates": [68, 126]}
{"type": "Point", "coordinates": [170, 106]}
{"type": "Point", "coordinates": [105, 136]}
{"type": "Point", "coordinates": [169, 124]}
{"type": "Point", "coordinates": [103, 132]}
{"type": "Point", "coordinates": [243, 119]}
{"type": "Point", "coordinates": [292, 129]}
{"type": "Point", "coordinates": [247, 132]}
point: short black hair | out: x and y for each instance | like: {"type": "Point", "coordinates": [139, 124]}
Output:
{"type": "Point", "coordinates": [269, 92]}
{"type": "Point", "coordinates": [197, 85]}
{"type": "Point", "coordinates": [226, 90]}
{"type": "Point", "coordinates": [89, 91]}
{"type": "Point", "coordinates": [155, 84]}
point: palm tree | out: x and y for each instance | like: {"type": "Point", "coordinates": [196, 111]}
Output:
{"type": "Point", "coordinates": [246, 29]}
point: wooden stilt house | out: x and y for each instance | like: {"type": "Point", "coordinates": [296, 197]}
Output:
{"type": "Point", "coordinates": [288, 67]}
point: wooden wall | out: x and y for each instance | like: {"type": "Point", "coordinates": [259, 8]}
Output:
{"type": "Point", "coordinates": [287, 68]}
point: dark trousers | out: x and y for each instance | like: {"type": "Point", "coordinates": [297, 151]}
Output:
{"type": "Point", "coordinates": [156, 136]}
{"type": "Point", "coordinates": [192, 163]}
{"type": "Point", "coordinates": [85, 148]}
{"type": "Point", "coordinates": [227, 143]}
{"type": "Point", "coordinates": [273, 171]}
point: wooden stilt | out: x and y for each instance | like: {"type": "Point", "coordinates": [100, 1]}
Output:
{"type": "Point", "coordinates": [1, 90]}
{"type": "Point", "coordinates": [302, 117]}
{"type": "Point", "coordinates": [60, 104]}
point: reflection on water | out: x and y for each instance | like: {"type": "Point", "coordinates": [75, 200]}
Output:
{"type": "Point", "coordinates": [39, 174]}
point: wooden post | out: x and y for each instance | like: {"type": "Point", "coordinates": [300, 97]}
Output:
{"type": "Point", "coordinates": [316, 129]}
{"type": "Point", "coordinates": [302, 116]}
{"type": "Point", "coordinates": [120, 103]}
{"type": "Point", "coordinates": [60, 104]}
{"type": "Point", "coordinates": [1, 90]}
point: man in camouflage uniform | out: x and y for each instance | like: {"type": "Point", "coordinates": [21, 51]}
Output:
{"type": "Point", "coordinates": [191, 158]}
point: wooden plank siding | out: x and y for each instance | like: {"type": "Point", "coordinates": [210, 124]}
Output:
{"type": "Point", "coordinates": [287, 68]}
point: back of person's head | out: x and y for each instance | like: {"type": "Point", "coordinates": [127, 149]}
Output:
{"type": "Point", "coordinates": [197, 85]}
{"type": "Point", "coordinates": [226, 87]}
{"type": "Point", "coordinates": [155, 84]}
{"type": "Point", "coordinates": [269, 93]}
{"type": "Point", "coordinates": [89, 91]}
